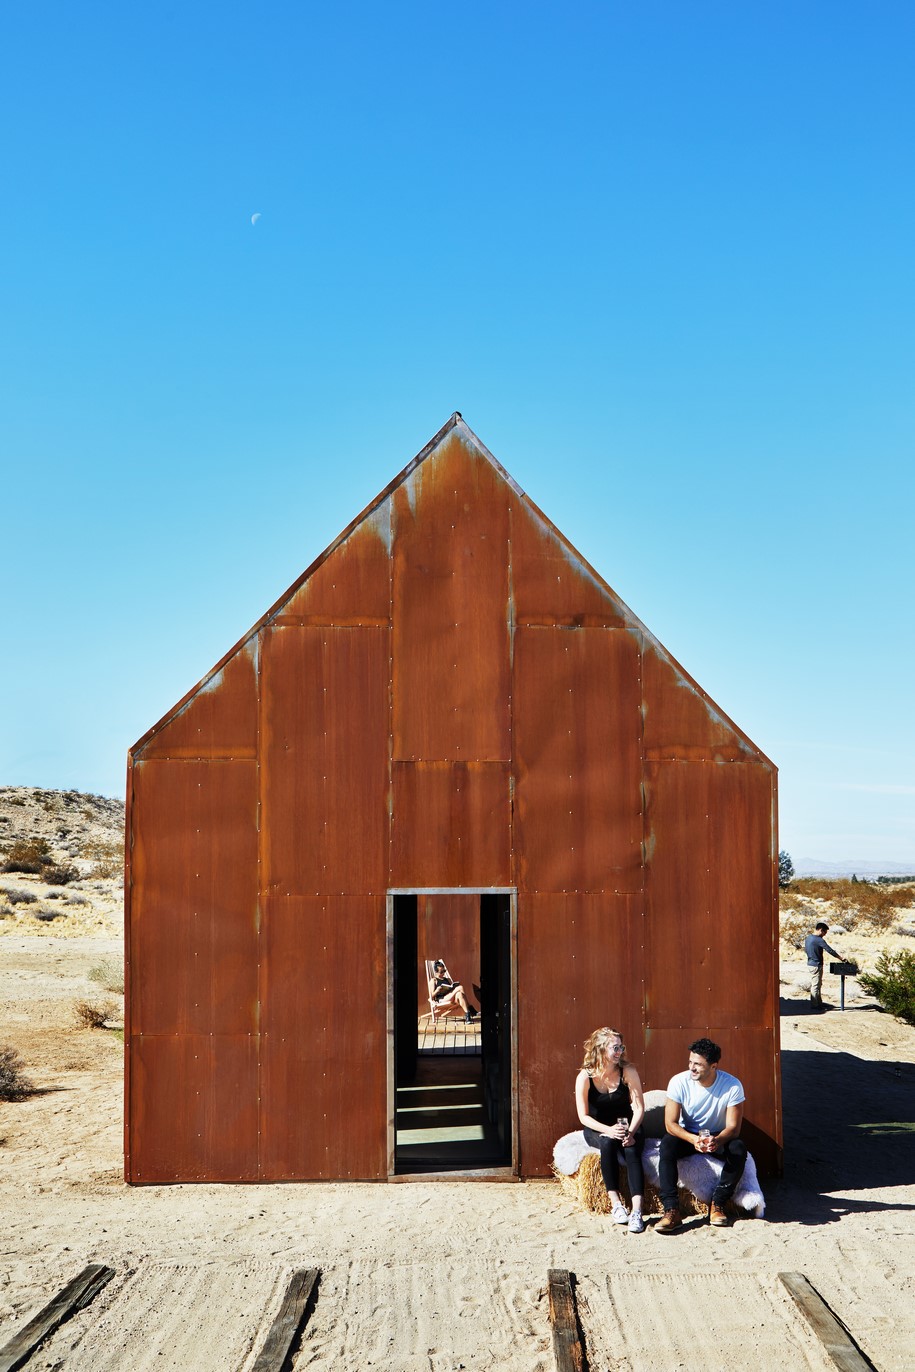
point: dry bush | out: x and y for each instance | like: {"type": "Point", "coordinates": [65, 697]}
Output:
{"type": "Point", "coordinates": [858, 901]}
{"type": "Point", "coordinates": [107, 857]}
{"type": "Point", "coordinates": [16, 897]}
{"type": "Point", "coordinates": [93, 1015]}
{"type": "Point", "coordinates": [14, 1084]}
{"type": "Point", "coordinates": [27, 855]}
{"type": "Point", "coordinates": [110, 974]}
{"type": "Point", "coordinates": [60, 876]}
{"type": "Point", "coordinates": [796, 923]}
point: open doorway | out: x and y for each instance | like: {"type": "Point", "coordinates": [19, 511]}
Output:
{"type": "Point", "coordinates": [452, 1099]}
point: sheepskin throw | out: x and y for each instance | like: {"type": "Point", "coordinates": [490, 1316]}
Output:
{"type": "Point", "coordinates": [699, 1172]}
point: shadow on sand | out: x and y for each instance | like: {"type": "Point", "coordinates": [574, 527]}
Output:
{"type": "Point", "coordinates": [849, 1126]}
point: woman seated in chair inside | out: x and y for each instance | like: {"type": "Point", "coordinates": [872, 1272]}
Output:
{"type": "Point", "coordinates": [611, 1107]}
{"type": "Point", "coordinates": [447, 991]}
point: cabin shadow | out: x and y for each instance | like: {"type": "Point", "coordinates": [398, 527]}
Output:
{"type": "Point", "coordinates": [849, 1126]}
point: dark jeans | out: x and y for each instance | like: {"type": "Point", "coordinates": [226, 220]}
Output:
{"type": "Point", "coordinates": [734, 1154]}
{"type": "Point", "coordinates": [612, 1153]}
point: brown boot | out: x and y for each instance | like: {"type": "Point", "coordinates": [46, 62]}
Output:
{"type": "Point", "coordinates": [716, 1215]}
{"type": "Point", "coordinates": [670, 1223]}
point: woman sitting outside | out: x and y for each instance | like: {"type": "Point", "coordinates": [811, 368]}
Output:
{"type": "Point", "coordinates": [608, 1095]}
{"type": "Point", "coordinates": [447, 991]}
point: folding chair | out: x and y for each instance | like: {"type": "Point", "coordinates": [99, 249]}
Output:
{"type": "Point", "coordinates": [436, 1011]}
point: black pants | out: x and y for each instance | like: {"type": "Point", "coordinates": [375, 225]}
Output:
{"type": "Point", "coordinates": [734, 1154]}
{"type": "Point", "coordinates": [612, 1153]}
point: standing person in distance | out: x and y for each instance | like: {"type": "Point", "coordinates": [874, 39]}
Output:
{"type": "Point", "coordinates": [703, 1113]}
{"type": "Point", "coordinates": [608, 1097]}
{"type": "Point", "coordinates": [814, 946]}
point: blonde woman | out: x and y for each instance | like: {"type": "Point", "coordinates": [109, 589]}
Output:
{"type": "Point", "coordinates": [611, 1107]}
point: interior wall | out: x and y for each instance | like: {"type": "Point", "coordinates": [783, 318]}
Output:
{"type": "Point", "coordinates": [449, 928]}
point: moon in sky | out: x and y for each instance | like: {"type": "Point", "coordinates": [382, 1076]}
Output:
{"type": "Point", "coordinates": [255, 217]}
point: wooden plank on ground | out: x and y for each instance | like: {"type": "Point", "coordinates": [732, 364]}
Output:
{"type": "Point", "coordinates": [75, 1296]}
{"type": "Point", "coordinates": [567, 1348]}
{"type": "Point", "coordinates": [831, 1332]}
{"type": "Point", "coordinates": [289, 1321]}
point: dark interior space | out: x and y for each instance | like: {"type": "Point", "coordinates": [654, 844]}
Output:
{"type": "Point", "coordinates": [453, 1081]}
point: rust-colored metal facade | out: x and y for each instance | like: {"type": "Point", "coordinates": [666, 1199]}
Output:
{"type": "Point", "coordinates": [450, 697]}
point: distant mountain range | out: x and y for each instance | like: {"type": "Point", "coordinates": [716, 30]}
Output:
{"type": "Point", "coordinates": [814, 867]}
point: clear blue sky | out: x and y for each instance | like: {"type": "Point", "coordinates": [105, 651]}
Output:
{"type": "Point", "coordinates": [660, 255]}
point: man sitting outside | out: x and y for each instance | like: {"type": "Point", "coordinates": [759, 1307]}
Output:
{"type": "Point", "coordinates": [703, 1113]}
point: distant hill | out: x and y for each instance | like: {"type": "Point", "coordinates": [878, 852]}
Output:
{"type": "Point", "coordinates": [71, 882]}
{"type": "Point", "coordinates": [815, 867]}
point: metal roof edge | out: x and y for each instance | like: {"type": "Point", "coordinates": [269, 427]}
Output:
{"type": "Point", "coordinates": [277, 605]}
{"type": "Point", "coordinates": [455, 422]}
{"type": "Point", "coordinates": [636, 622]}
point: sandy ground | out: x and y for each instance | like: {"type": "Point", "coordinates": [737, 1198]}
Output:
{"type": "Point", "coordinates": [200, 1270]}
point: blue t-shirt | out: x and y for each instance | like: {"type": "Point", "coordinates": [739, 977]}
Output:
{"type": "Point", "coordinates": [704, 1107]}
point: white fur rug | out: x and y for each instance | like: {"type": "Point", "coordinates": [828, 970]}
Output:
{"type": "Point", "coordinates": [698, 1173]}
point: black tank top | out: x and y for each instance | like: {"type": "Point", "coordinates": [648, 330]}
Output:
{"type": "Point", "coordinates": [609, 1106]}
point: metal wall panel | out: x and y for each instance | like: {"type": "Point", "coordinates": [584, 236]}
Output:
{"type": "Point", "coordinates": [325, 700]}
{"type": "Point", "coordinates": [451, 697]}
{"type": "Point", "coordinates": [193, 1108]}
{"type": "Point", "coordinates": [551, 583]}
{"type": "Point", "coordinates": [194, 908]}
{"type": "Point", "coordinates": [680, 722]}
{"type": "Point", "coordinates": [220, 720]}
{"type": "Point", "coordinates": [451, 611]}
{"type": "Point", "coordinates": [451, 824]}
{"type": "Point", "coordinates": [580, 966]}
{"type": "Point", "coordinates": [323, 1110]}
{"type": "Point", "coordinates": [352, 584]}
{"type": "Point", "coordinates": [578, 820]}
{"type": "Point", "coordinates": [708, 892]}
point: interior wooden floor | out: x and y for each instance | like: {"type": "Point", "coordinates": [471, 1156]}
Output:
{"type": "Point", "coordinates": [448, 1036]}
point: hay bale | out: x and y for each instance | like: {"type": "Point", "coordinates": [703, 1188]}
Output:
{"type": "Point", "coordinates": [653, 1123]}
{"type": "Point", "coordinates": [587, 1187]}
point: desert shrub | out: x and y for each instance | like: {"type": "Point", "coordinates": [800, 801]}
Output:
{"type": "Point", "coordinates": [857, 901]}
{"type": "Point", "coordinates": [18, 897]}
{"type": "Point", "coordinates": [74, 898]}
{"type": "Point", "coordinates": [27, 855]}
{"type": "Point", "coordinates": [893, 983]}
{"type": "Point", "coordinates": [796, 923]}
{"type": "Point", "coordinates": [107, 857]}
{"type": "Point", "coordinates": [110, 974]}
{"type": "Point", "coordinates": [94, 1015]}
{"type": "Point", "coordinates": [60, 876]}
{"type": "Point", "coordinates": [14, 1084]}
{"type": "Point", "coordinates": [47, 915]}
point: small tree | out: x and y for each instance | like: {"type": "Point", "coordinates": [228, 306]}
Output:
{"type": "Point", "coordinates": [785, 868]}
{"type": "Point", "coordinates": [893, 983]}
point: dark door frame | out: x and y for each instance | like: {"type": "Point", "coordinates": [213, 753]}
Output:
{"type": "Point", "coordinates": [512, 893]}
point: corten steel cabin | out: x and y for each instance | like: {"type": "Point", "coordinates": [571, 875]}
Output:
{"type": "Point", "coordinates": [449, 737]}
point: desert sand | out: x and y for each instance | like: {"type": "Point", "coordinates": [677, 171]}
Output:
{"type": "Point", "coordinates": [433, 1275]}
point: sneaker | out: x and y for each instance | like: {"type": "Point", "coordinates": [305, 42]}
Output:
{"type": "Point", "coordinates": [716, 1215]}
{"type": "Point", "coordinates": [671, 1222]}
{"type": "Point", "coordinates": [636, 1223]}
{"type": "Point", "coordinates": [619, 1214]}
